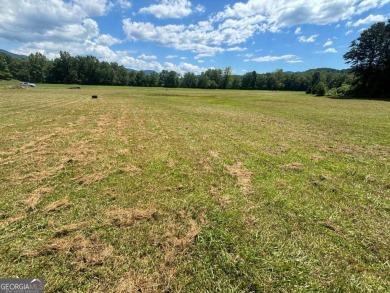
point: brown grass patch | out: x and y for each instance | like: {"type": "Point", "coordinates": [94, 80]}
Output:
{"type": "Point", "coordinates": [243, 177]}
{"type": "Point", "coordinates": [224, 201]}
{"type": "Point", "coordinates": [65, 230]}
{"type": "Point", "coordinates": [40, 175]}
{"type": "Point", "coordinates": [83, 153]}
{"type": "Point", "coordinates": [292, 167]}
{"type": "Point", "coordinates": [123, 218]}
{"type": "Point", "coordinates": [12, 219]}
{"type": "Point", "coordinates": [35, 197]}
{"type": "Point", "coordinates": [57, 205]}
{"type": "Point", "coordinates": [181, 238]}
{"type": "Point", "coordinates": [214, 154]}
{"type": "Point", "coordinates": [92, 178]}
{"type": "Point", "coordinates": [86, 250]}
{"type": "Point", "coordinates": [134, 170]}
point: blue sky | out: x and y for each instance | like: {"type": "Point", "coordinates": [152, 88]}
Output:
{"type": "Point", "coordinates": [192, 35]}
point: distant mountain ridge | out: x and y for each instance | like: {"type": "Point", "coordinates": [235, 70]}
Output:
{"type": "Point", "coordinates": [13, 54]}
{"type": "Point", "coordinates": [147, 72]}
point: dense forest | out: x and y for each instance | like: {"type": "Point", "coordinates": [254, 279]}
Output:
{"type": "Point", "coordinates": [88, 70]}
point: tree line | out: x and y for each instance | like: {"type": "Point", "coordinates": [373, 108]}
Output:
{"type": "Point", "coordinates": [88, 70]}
{"type": "Point", "coordinates": [369, 75]}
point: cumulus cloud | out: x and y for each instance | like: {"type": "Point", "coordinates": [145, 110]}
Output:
{"type": "Point", "coordinates": [93, 7]}
{"type": "Point", "coordinates": [368, 20]}
{"type": "Point", "coordinates": [310, 39]}
{"type": "Point", "coordinates": [200, 38]}
{"type": "Point", "coordinates": [328, 43]}
{"type": "Point", "coordinates": [170, 9]}
{"type": "Point", "coordinates": [292, 12]}
{"type": "Point", "coordinates": [147, 57]}
{"type": "Point", "coordinates": [184, 67]}
{"type": "Point", "coordinates": [106, 39]}
{"type": "Point", "coordinates": [49, 20]}
{"type": "Point", "coordinates": [366, 5]}
{"type": "Point", "coordinates": [298, 31]}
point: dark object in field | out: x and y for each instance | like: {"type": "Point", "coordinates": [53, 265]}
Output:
{"type": "Point", "coordinates": [75, 88]}
{"type": "Point", "coordinates": [94, 97]}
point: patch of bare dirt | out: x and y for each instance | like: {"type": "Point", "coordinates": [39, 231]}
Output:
{"type": "Point", "coordinates": [243, 176]}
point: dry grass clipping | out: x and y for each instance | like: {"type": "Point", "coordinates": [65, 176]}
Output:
{"type": "Point", "coordinates": [86, 250]}
{"type": "Point", "coordinates": [243, 176]}
{"type": "Point", "coordinates": [35, 197]}
{"type": "Point", "coordinates": [123, 218]}
{"type": "Point", "coordinates": [12, 219]}
{"type": "Point", "coordinates": [57, 205]}
{"type": "Point", "coordinates": [292, 167]}
{"type": "Point", "coordinates": [71, 228]}
{"type": "Point", "coordinates": [92, 178]}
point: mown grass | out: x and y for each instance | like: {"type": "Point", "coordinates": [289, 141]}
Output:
{"type": "Point", "coordinates": [155, 190]}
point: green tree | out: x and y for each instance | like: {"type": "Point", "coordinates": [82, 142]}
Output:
{"type": "Point", "coordinates": [204, 81]}
{"type": "Point", "coordinates": [4, 68]}
{"type": "Point", "coordinates": [369, 57]}
{"type": "Point", "coordinates": [227, 78]}
{"type": "Point", "coordinates": [189, 80]}
{"type": "Point", "coordinates": [37, 67]}
{"type": "Point", "coordinates": [249, 80]}
{"type": "Point", "coordinates": [153, 79]}
{"type": "Point", "coordinates": [141, 79]}
{"type": "Point", "coordinates": [172, 79]}
{"type": "Point", "coordinates": [64, 69]}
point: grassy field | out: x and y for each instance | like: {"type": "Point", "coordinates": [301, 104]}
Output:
{"type": "Point", "coordinates": [155, 190]}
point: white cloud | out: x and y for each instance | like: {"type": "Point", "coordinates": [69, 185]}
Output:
{"type": "Point", "coordinates": [170, 9]}
{"type": "Point", "coordinates": [124, 4]}
{"type": "Point", "coordinates": [298, 31]}
{"type": "Point", "coordinates": [200, 8]}
{"type": "Point", "coordinates": [93, 7]}
{"type": "Point", "coordinates": [269, 58]}
{"type": "Point", "coordinates": [294, 61]}
{"type": "Point", "coordinates": [236, 49]}
{"type": "Point", "coordinates": [51, 20]}
{"type": "Point", "coordinates": [366, 5]}
{"type": "Point", "coordinates": [147, 57]}
{"type": "Point", "coordinates": [310, 39]}
{"type": "Point", "coordinates": [368, 20]}
{"type": "Point", "coordinates": [196, 38]}
{"type": "Point", "coordinates": [328, 43]}
{"type": "Point", "coordinates": [107, 40]}
{"type": "Point", "coordinates": [327, 51]}
{"type": "Point", "coordinates": [184, 67]}
{"type": "Point", "coordinates": [284, 13]}
{"type": "Point", "coordinates": [349, 32]}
